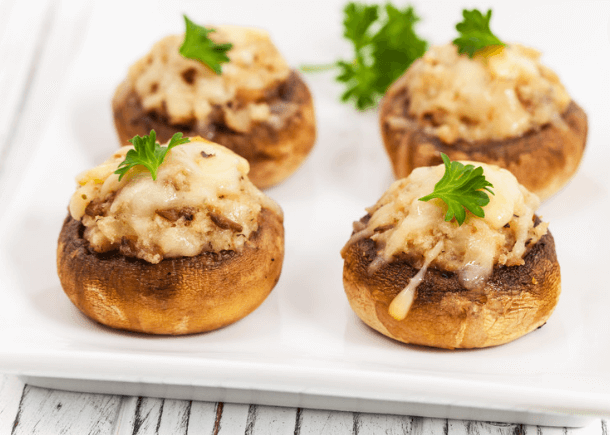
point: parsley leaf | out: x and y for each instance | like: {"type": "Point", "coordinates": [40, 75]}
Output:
{"type": "Point", "coordinates": [460, 188]}
{"type": "Point", "coordinates": [396, 46]}
{"type": "Point", "coordinates": [148, 153]}
{"type": "Point", "coordinates": [199, 47]}
{"type": "Point", "coordinates": [475, 34]}
{"type": "Point", "coordinates": [358, 19]}
{"type": "Point", "coordinates": [381, 56]}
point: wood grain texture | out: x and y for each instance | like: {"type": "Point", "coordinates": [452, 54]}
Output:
{"type": "Point", "coordinates": [465, 427]}
{"type": "Point", "coordinates": [233, 420]}
{"type": "Point", "coordinates": [202, 418]}
{"type": "Point", "coordinates": [11, 390]}
{"type": "Point", "coordinates": [372, 424]}
{"type": "Point", "coordinates": [175, 417]}
{"type": "Point", "coordinates": [43, 411]}
{"type": "Point", "coordinates": [320, 422]}
{"type": "Point", "coordinates": [429, 426]}
{"type": "Point", "coordinates": [270, 420]}
{"type": "Point", "coordinates": [140, 416]}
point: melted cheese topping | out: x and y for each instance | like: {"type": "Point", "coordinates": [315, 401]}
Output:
{"type": "Point", "coordinates": [202, 200]}
{"type": "Point", "coordinates": [498, 94]}
{"type": "Point", "coordinates": [186, 89]}
{"type": "Point", "coordinates": [401, 224]}
{"type": "Point", "coordinates": [399, 307]}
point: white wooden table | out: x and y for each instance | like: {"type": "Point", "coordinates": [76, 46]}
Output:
{"type": "Point", "coordinates": [37, 44]}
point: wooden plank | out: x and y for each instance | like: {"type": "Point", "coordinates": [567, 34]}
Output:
{"type": "Point", "coordinates": [319, 422]}
{"type": "Point", "coordinates": [544, 430]}
{"type": "Point", "coordinates": [465, 427]}
{"type": "Point", "coordinates": [140, 416]}
{"type": "Point", "coordinates": [124, 422]}
{"type": "Point", "coordinates": [264, 420]}
{"type": "Point", "coordinates": [233, 419]}
{"type": "Point", "coordinates": [529, 429]}
{"type": "Point", "coordinates": [175, 417]}
{"type": "Point", "coordinates": [458, 427]}
{"type": "Point", "coordinates": [202, 420]}
{"type": "Point", "coordinates": [11, 390]}
{"type": "Point", "coordinates": [44, 411]}
{"type": "Point", "coordinates": [429, 426]}
{"type": "Point", "coordinates": [372, 424]}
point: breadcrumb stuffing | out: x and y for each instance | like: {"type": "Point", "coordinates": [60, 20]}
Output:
{"type": "Point", "coordinates": [202, 200]}
{"type": "Point", "coordinates": [493, 96]}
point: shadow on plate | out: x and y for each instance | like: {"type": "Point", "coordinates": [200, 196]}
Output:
{"type": "Point", "coordinates": [74, 329]}
{"type": "Point", "coordinates": [530, 354]}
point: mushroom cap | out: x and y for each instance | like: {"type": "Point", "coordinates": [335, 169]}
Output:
{"type": "Point", "coordinates": [181, 295]}
{"type": "Point", "coordinates": [514, 301]}
{"type": "Point", "coordinates": [543, 160]}
{"type": "Point", "coordinates": [273, 151]}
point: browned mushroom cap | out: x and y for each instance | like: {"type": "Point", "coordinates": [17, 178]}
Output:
{"type": "Point", "coordinates": [514, 301]}
{"type": "Point", "coordinates": [543, 160]}
{"type": "Point", "coordinates": [178, 295]}
{"type": "Point", "coordinates": [273, 151]}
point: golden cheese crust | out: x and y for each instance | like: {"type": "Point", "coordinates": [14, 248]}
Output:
{"type": "Point", "coordinates": [543, 160]}
{"type": "Point", "coordinates": [514, 301]}
{"type": "Point", "coordinates": [178, 295]}
{"type": "Point", "coordinates": [273, 151]}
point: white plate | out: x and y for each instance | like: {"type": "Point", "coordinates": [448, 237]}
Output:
{"type": "Point", "coordinates": [304, 346]}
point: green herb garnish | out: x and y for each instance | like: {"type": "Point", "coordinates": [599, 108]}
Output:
{"type": "Point", "coordinates": [148, 153]}
{"type": "Point", "coordinates": [380, 57]}
{"type": "Point", "coordinates": [199, 47]}
{"type": "Point", "coordinates": [475, 34]}
{"type": "Point", "coordinates": [384, 47]}
{"type": "Point", "coordinates": [460, 188]}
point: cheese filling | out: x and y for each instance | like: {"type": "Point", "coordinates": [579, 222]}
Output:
{"type": "Point", "coordinates": [186, 90]}
{"type": "Point", "coordinates": [400, 224]}
{"type": "Point", "coordinates": [499, 94]}
{"type": "Point", "coordinates": [201, 201]}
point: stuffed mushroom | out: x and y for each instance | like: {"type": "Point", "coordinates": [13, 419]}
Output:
{"type": "Point", "coordinates": [193, 250]}
{"type": "Point", "coordinates": [420, 279]}
{"type": "Point", "coordinates": [502, 107]}
{"type": "Point", "coordinates": [254, 104]}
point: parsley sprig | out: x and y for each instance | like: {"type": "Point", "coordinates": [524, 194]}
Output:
{"type": "Point", "coordinates": [385, 44]}
{"type": "Point", "coordinates": [380, 56]}
{"type": "Point", "coordinates": [198, 46]}
{"type": "Point", "coordinates": [475, 34]}
{"type": "Point", "coordinates": [148, 153]}
{"type": "Point", "coordinates": [461, 188]}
